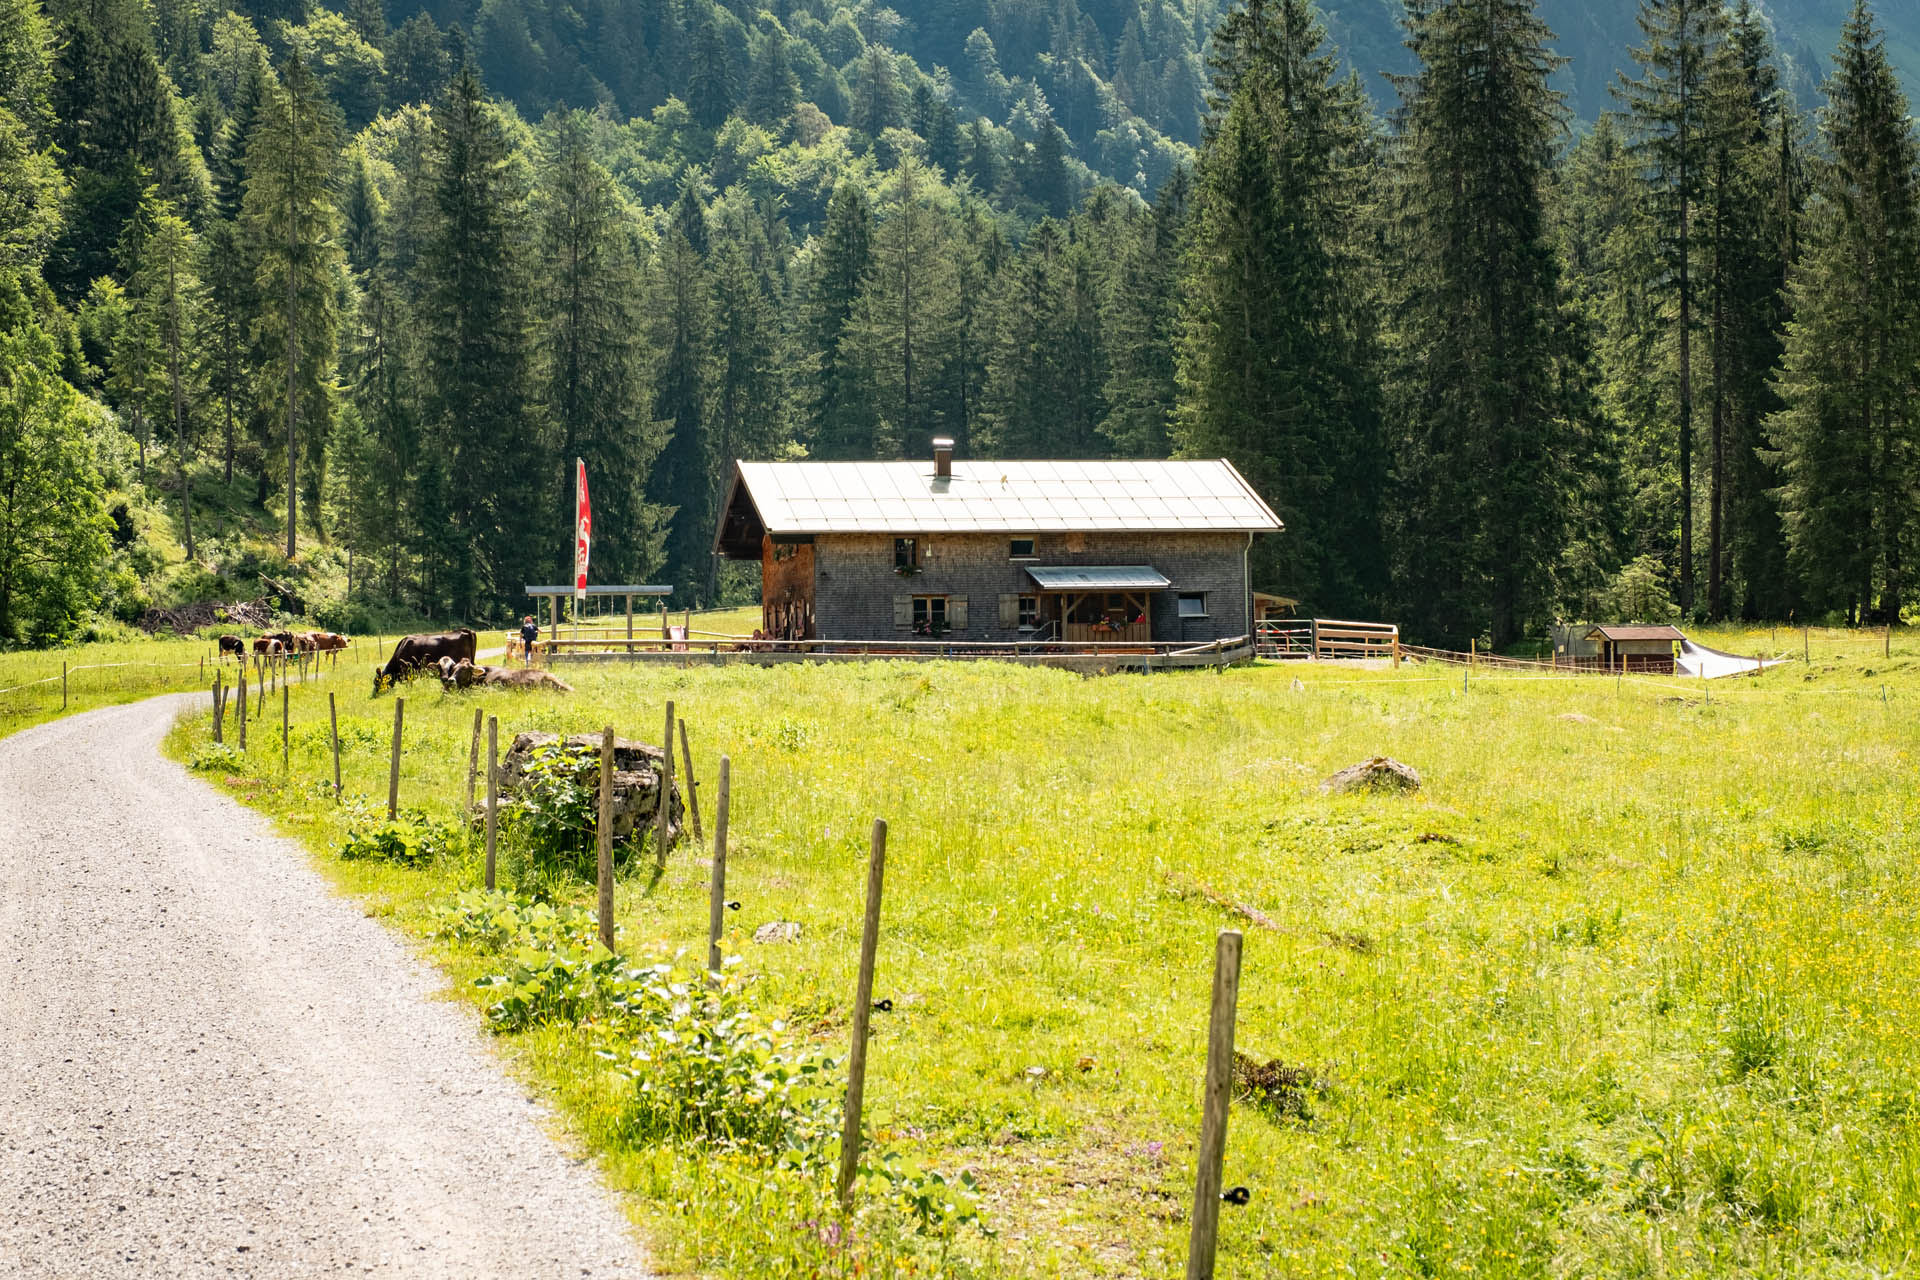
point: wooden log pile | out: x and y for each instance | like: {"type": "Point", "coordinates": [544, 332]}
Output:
{"type": "Point", "coordinates": [189, 618]}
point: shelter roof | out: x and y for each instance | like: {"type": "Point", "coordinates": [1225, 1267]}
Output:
{"type": "Point", "coordinates": [1617, 632]}
{"type": "Point", "coordinates": [1098, 577]}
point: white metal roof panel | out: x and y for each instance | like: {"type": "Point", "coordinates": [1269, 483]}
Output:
{"type": "Point", "coordinates": [1097, 577]}
{"type": "Point", "coordinates": [1014, 497]}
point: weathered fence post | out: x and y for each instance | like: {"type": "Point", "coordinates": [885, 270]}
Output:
{"type": "Point", "coordinates": [333, 723]}
{"type": "Point", "coordinates": [862, 1012]}
{"type": "Point", "coordinates": [243, 709]}
{"type": "Point", "coordinates": [63, 684]}
{"type": "Point", "coordinates": [693, 788]}
{"type": "Point", "coordinates": [493, 791]}
{"type": "Point", "coordinates": [1218, 1095]}
{"type": "Point", "coordinates": [665, 808]}
{"type": "Point", "coordinates": [393, 770]}
{"type": "Point", "coordinates": [473, 759]}
{"type": "Point", "coordinates": [604, 832]}
{"type": "Point", "coordinates": [286, 729]}
{"type": "Point", "coordinates": [216, 708]}
{"type": "Point", "coordinates": [1806, 645]}
{"type": "Point", "coordinates": [717, 909]}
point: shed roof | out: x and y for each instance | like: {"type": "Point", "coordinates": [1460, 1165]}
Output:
{"type": "Point", "coordinates": [988, 496]}
{"type": "Point", "coordinates": [1097, 577]}
{"type": "Point", "coordinates": [1617, 633]}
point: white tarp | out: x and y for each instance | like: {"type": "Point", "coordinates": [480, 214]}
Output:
{"type": "Point", "coordinates": [1697, 660]}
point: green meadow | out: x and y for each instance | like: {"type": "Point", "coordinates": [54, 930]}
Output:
{"type": "Point", "coordinates": [1627, 989]}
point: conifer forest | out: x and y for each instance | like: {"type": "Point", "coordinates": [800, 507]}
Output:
{"type": "Point", "coordinates": [1511, 312]}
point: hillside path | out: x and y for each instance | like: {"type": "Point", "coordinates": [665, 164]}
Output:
{"type": "Point", "coordinates": [213, 1065]}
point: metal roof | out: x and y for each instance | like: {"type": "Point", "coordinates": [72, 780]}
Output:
{"type": "Point", "coordinates": [1097, 577]}
{"type": "Point", "coordinates": [1012, 497]}
{"type": "Point", "coordinates": [1636, 633]}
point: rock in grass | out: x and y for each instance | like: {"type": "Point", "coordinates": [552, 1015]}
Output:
{"type": "Point", "coordinates": [777, 931]}
{"type": "Point", "coordinates": [1377, 774]}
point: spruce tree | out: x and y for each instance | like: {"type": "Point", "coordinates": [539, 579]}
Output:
{"type": "Point", "coordinates": [748, 396]}
{"type": "Point", "coordinates": [1476, 404]}
{"type": "Point", "coordinates": [592, 352]}
{"type": "Point", "coordinates": [841, 424]}
{"type": "Point", "coordinates": [483, 416]}
{"type": "Point", "coordinates": [289, 221]}
{"type": "Point", "coordinates": [1142, 385]}
{"type": "Point", "coordinates": [680, 306]}
{"type": "Point", "coordinates": [1671, 122]}
{"type": "Point", "coordinates": [1846, 434]}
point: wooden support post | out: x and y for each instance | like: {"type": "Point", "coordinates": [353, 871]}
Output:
{"type": "Point", "coordinates": [604, 833]}
{"type": "Point", "coordinates": [473, 759]}
{"type": "Point", "coordinates": [393, 770]}
{"type": "Point", "coordinates": [663, 811]}
{"type": "Point", "coordinates": [862, 1011]}
{"type": "Point", "coordinates": [717, 906]}
{"type": "Point", "coordinates": [493, 791]}
{"type": "Point", "coordinates": [63, 684]}
{"type": "Point", "coordinates": [1216, 1098]}
{"type": "Point", "coordinates": [333, 724]}
{"type": "Point", "coordinates": [243, 708]}
{"type": "Point", "coordinates": [286, 729]}
{"type": "Point", "coordinates": [693, 788]}
{"type": "Point", "coordinates": [1806, 645]}
{"type": "Point", "coordinates": [216, 708]}
{"type": "Point", "coordinates": [1887, 646]}
{"type": "Point", "coordinates": [629, 622]}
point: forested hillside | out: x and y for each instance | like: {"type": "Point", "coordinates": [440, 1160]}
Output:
{"type": "Point", "coordinates": [376, 276]}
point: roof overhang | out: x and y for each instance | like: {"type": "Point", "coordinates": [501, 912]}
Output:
{"type": "Point", "coordinates": [1098, 577]}
{"type": "Point", "coordinates": [741, 529]}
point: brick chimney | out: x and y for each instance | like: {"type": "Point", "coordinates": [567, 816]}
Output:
{"type": "Point", "coordinates": [942, 458]}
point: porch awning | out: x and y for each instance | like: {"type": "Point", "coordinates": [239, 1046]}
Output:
{"type": "Point", "coordinates": [1097, 577]}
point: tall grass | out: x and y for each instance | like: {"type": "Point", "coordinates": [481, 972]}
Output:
{"type": "Point", "coordinates": [1626, 989]}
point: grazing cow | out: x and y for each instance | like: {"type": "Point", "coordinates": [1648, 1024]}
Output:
{"type": "Point", "coordinates": [272, 646]}
{"type": "Point", "coordinates": [326, 641]}
{"type": "Point", "coordinates": [233, 645]}
{"type": "Point", "coordinates": [416, 653]}
{"type": "Point", "coordinates": [464, 675]}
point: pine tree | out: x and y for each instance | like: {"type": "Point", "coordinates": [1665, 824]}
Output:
{"type": "Point", "coordinates": [773, 91]}
{"type": "Point", "coordinates": [481, 412]}
{"type": "Point", "coordinates": [1476, 400]}
{"type": "Point", "coordinates": [680, 304]}
{"type": "Point", "coordinates": [747, 390]}
{"type": "Point", "coordinates": [1847, 431]}
{"type": "Point", "coordinates": [166, 299]}
{"type": "Point", "coordinates": [1669, 112]}
{"type": "Point", "coordinates": [841, 421]}
{"type": "Point", "coordinates": [712, 91]}
{"type": "Point", "coordinates": [1275, 367]}
{"type": "Point", "coordinates": [289, 221]}
{"type": "Point", "coordinates": [1142, 386]}
{"type": "Point", "coordinates": [592, 352]}
{"type": "Point", "coordinates": [876, 93]}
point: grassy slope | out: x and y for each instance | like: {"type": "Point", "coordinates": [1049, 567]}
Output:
{"type": "Point", "coordinates": [1624, 991]}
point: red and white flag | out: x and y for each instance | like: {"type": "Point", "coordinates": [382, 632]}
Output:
{"type": "Point", "coordinates": [582, 531]}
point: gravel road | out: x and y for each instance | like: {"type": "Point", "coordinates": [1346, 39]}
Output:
{"type": "Point", "coordinates": [213, 1066]}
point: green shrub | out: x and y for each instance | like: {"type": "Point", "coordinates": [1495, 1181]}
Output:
{"type": "Point", "coordinates": [408, 841]}
{"type": "Point", "coordinates": [554, 820]}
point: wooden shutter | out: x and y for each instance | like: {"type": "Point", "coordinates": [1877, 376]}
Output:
{"type": "Point", "coordinates": [956, 613]}
{"type": "Point", "coordinates": [1009, 612]}
{"type": "Point", "coordinates": [902, 613]}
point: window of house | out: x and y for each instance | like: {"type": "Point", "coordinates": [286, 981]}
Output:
{"type": "Point", "coordinates": [929, 615]}
{"type": "Point", "coordinates": [906, 555]}
{"type": "Point", "coordinates": [1193, 604]}
{"type": "Point", "coordinates": [1029, 612]}
{"type": "Point", "coordinates": [1020, 549]}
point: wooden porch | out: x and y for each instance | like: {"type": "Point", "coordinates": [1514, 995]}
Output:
{"type": "Point", "coordinates": [1095, 617]}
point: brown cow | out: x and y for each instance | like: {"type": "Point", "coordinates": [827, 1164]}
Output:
{"type": "Point", "coordinates": [464, 675]}
{"type": "Point", "coordinates": [416, 653]}
{"type": "Point", "coordinates": [326, 641]}
{"type": "Point", "coordinates": [272, 646]}
{"type": "Point", "coordinates": [233, 645]}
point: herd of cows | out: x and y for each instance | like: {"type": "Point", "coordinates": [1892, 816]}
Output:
{"type": "Point", "coordinates": [449, 654]}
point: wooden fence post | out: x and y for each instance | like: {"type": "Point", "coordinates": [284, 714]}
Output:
{"type": "Point", "coordinates": [333, 721]}
{"type": "Point", "coordinates": [493, 791]}
{"type": "Point", "coordinates": [604, 832]}
{"type": "Point", "coordinates": [664, 810]}
{"type": "Point", "coordinates": [243, 709]}
{"type": "Point", "coordinates": [286, 729]}
{"type": "Point", "coordinates": [1806, 645]}
{"type": "Point", "coordinates": [862, 1012]}
{"type": "Point", "coordinates": [473, 759]}
{"type": "Point", "coordinates": [1218, 1095]}
{"type": "Point", "coordinates": [216, 708]}
{"type": "Point", "coordinates": [693, 788]}
{"type": "Point", "coordinates": [63, 684]}
{"type": "Point", "coordinates": [393, 770]}
{"type": "Point", "coordinates": [718, 907]}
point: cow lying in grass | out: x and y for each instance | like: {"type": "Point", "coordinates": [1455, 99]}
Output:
{"type": "Point", "coordinates": [464, 675]}
{"type": "Point", "coordinates": [423, 653]}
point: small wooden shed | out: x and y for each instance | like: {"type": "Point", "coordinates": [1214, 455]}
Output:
{"type": "Point", "coordinates": [1637, 648]}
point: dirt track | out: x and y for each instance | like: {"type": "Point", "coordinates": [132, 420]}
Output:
{"type": "Point", "coordinates": [214, 1066]}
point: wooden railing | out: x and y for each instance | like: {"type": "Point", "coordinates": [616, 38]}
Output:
{"type": "Point", "coordinates": [1326, 639]}
{"type": "Point", "coordinates": [714, 645]}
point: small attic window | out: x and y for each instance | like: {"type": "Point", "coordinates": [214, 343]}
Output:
{"type": "Point", "coordinates": [1020, 549]}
